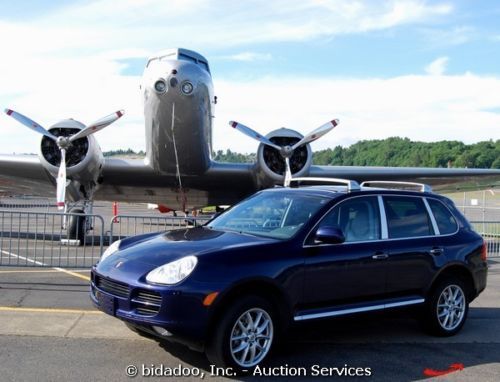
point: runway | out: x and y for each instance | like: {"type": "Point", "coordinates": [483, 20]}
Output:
{"type": "Point", "coordinates": [49, 331]}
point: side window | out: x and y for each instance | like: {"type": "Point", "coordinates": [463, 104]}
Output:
{"type": "Point", "coordinates": [444, 219]}
{"type": "Point", "coordinates": [406, 217]}
{"type": "Point", "coordinates": [358, 218]}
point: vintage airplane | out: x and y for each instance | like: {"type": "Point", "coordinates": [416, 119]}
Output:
{"type": "Point", "coordinates": [178, 170]}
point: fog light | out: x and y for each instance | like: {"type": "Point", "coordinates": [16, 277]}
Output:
{"type": "Point", "coordinates": [187, 87]}
{"type": "Point", "coordinates": [160, 86]}
{"type": "Point", "coordinates": [162, 331]}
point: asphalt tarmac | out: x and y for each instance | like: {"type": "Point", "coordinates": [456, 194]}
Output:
{"type": "Point", "coordinates": [49, 331]}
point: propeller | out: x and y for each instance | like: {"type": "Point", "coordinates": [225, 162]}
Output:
{"type": "Point", "coordinates": [64, 143]}
{"type": "Point", "coordinates": [286, 151]}
{"type": "Point", "coordinates": [253, 134]}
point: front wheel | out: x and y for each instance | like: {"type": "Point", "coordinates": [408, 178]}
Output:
{"type": "Point", "coordinates": [447, 307]}
{"type": "Point", "coordinates": [245, 334]}
{"type": "Point", "coordinates": [76, 226]}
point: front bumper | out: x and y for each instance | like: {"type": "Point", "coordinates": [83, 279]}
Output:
{"type": "Point", "coordinates": [180, 311]}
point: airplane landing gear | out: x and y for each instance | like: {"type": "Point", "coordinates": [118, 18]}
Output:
{"type": "Point", "coordinates": [77, 225]}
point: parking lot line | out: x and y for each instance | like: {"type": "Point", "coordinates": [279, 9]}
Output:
{"type": "Point", "coordinates": [86, 278]}
{"type": "Point", "coordinates": [47, 310]}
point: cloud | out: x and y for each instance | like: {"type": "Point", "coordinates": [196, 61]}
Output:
{"type": "Point", "coordinates": [437, 67]}
{"type": "Point", "coordinates": [89, 27]}
{"type": "Point", "coordinates": [68, 64]}
{"type": "Point", "coordinates": [421, 107]}
{"type": "Point", "coordinates": [248, 57]}
{"type": "Point", "coordinates": [449, 37]}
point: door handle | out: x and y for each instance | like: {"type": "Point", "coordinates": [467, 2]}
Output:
{"type": "Point", "coordinates": [380, 256]}
{"type": "Point", "coordinates": [436, 251]}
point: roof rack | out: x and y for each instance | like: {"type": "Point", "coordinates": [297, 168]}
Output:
{"type": "Point", "coordinates": [421, 186]}
{"type": "Point", "coordinates": [352, 185]}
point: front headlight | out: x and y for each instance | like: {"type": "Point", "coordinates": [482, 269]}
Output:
{"type": "Point", "coordinates": [111, 249]}
{"type": "Point", "coordinates": [174, 272]}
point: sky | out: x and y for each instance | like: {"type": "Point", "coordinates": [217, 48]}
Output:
{"type": "Point", "coordinates": [426, 70]}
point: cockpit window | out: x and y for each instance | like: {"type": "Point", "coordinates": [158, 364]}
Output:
{"type": "Point", "coordinates": [185, 57]}
{"type": "Point", "coordinates": [204, 65]}
{"type": "Point", "coordinates": [180, 56]}
{"type": "Point", "coordinates": [169, 56]}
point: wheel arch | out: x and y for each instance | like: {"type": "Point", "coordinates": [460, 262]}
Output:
{"type": "Point", "coordinates": [456, 270]}
{"type": "Point", "coordinates": [261, 287]}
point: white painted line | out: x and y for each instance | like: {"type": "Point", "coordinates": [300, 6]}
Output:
{"type": "Point", "coordinates": [45, 265]}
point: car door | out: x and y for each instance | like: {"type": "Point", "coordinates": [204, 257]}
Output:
{"type": "Point", "coordinates": [353, 271]}
{"type": "Point", "coordinates": [413, 247]}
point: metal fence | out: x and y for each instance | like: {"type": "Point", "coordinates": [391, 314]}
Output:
{"type": "Point", "coordinates": [490, 231]}
{"type": "Point", "coordinates": [40, 239]}
{"type": "Point", "coordinates": [27, 203]}
{"type": "Point", "coordinates": [129, 225]}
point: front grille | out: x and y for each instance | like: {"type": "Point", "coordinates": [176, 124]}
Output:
{"type": "Point", "coordinates": [146, 302]}
{"type": "Point", "coordinates": [112, 287]}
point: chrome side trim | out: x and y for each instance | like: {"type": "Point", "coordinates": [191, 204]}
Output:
{"type": "Point", "coordinates": [431, 215]}
{"type": "Point", "coordinates": [383, 218]}
{"type": "Point", "coordinates": [342, 312]}
{"type": "Point", "coordinates": [404, 303]}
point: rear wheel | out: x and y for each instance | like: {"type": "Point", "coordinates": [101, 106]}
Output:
{"type": "Point", "coordinates": [446, 308]}
{"type": "Point", "coordinates": [245, 334]}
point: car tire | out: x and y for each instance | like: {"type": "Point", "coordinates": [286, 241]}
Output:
{"type": "Point", "coordinates": [446, 308]}
{"type": "Point", "coordinates": [244, 335]}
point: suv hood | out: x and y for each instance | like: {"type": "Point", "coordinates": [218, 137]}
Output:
{"type": "Point", "coordinates": [159, 249]}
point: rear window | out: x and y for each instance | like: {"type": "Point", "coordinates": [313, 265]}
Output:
{"type": "Point", "coordinates": [406, 217]}
{"type": "Point", "coordinates": [444, 219]}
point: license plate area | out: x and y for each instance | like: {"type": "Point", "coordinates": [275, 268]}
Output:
{"type": "Point", "coordinates": [106, 303]}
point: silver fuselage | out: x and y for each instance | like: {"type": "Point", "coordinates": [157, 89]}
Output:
{"type": "Point", "coordinates": [178, 123]}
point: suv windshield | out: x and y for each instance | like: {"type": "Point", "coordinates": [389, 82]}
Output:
{"type": "Point", "coordinates": [276, 215]}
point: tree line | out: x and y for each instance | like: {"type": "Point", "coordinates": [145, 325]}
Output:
{"type": "Point", "coordinates": [393, 151]}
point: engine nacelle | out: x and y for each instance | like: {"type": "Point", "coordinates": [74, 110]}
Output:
{"type": "Point", "coordinates": [272, 164]}
{"type": "Point", "coordinates": [84, 159]}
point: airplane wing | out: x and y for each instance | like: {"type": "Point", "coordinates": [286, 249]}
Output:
{"type": "Point", "coordinates": [441, 179]}
{"type": "Point", "coordinates": [130, 180]}
{"type": "Point", "coordinates": [24, 175]}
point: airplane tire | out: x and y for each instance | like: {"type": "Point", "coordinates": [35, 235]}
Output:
{"type": "Point", "coordinates": [76, 226]}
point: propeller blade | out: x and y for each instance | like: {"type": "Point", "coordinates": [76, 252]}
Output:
{"type": "Point", "coordinates": [61, 181]}
{"type": "Point", "coordinates": [288, 172]}
{"type": "Point", "coordinates": [97, 125]}
{"type": "Point", "coordinates": [29, 123]}
{"type": "Point", "coordinates": [317, 133]}
{"type": "Point", "coordinates": [253, 134]}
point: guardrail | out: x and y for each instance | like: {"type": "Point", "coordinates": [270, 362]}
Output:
{"type": "Point", "coordinates": [40, 239]}
{"type": "Point", "coordinates": [130, 225]}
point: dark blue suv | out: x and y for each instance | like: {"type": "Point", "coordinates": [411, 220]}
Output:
{"type": "Point", "coordinates": [233, 286]}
